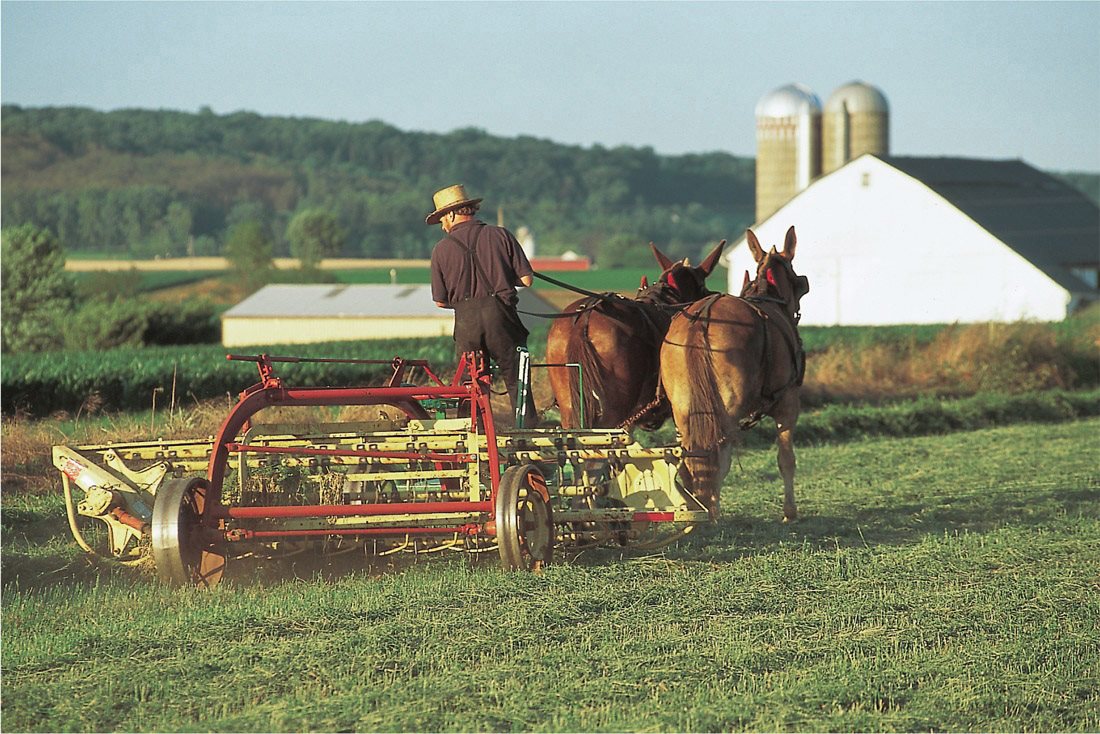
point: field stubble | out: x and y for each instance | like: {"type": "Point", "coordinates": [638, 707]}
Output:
{"type": "Point", "coordinates": [940, 582]}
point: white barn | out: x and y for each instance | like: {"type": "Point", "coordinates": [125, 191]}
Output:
{"type": "Point", "coordinates": [888, 240]}
{"type": "Point", "coordinates": [305, 314]}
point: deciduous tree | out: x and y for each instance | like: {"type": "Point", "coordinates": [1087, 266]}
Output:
{"type": "Point", "coordinates": [314, 234]}
{"type": "Point", "coordinates": [36, 295]}
{"type": "Point", "coordinates": [249, 250]}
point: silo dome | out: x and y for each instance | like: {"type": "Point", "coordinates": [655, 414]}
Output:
{"type": "Point", "coordinates": [789, 101]}
{"type": "Point", "coordinates": [856, 121]}
{"type": "Point", "coordinates": [857, 96]}
{"type": "Point", "coordinates": [788, 146]}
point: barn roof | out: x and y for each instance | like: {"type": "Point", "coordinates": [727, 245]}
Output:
{"type": "Point", "coordinates": [355, 301]}
{"type": "Point", "coordinates": [338, 300]}
{"type": "Point", "coordinates": [1048, 222]}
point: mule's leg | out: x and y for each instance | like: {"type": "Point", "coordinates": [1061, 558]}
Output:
{"type": "Point", "coordinates": [786, 417]}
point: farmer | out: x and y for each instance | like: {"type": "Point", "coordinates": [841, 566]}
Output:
{"type": "Point", "coordinates": [475, 271]}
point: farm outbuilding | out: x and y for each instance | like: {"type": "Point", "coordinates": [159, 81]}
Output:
{"type": "Point", "coordinates": [897, 240]}
{"type": "Point", "coordinates": [305, 314]}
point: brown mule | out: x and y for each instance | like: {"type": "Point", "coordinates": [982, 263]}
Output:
{"type": "Point", "coordinates": [727, 361]}
{"type": "Point", "coordinates": [617, 342]}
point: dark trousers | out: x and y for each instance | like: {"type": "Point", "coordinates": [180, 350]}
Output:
{"type": "Point", "coordinates": [492, 326]}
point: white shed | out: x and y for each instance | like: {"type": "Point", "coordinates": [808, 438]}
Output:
{"type": "Point", "coordinates": [936, 240]}
{"type": "Point", "coordinates": [304, 314]}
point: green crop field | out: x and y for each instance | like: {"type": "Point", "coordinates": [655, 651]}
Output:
{"type": "Point", "coordinates": [947, 582]}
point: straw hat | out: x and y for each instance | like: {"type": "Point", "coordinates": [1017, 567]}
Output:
{"type": "Point", "coordinates": [449, 199]}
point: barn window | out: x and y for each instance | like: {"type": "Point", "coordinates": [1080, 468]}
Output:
{"type": "Point", "coordinates": [865, 180]}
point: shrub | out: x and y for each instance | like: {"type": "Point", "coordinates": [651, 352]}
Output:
{"type": "Point", "coordinates": [124, 323]}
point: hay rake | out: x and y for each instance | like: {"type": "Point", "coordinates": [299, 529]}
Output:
{"type": "Point", "coordinates": [440, 477]}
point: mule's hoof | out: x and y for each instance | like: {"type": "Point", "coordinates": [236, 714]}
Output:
{"type": "Point", "coordinates": [790, 518]}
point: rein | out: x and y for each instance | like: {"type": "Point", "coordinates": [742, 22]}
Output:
{"type": "Point", "coordinates": [600, 298]}
{"type": "Point", "coordinates": [570, 287]}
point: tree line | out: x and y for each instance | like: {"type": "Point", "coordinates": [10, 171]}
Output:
{"type": "Point", "coordinates": [145, 183]}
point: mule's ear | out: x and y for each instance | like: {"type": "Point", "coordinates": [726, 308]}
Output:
{"type": "Point", "coordinates": [662, 258]}
{"type": "Point", "coordinates": [711, 260]}
{"type": "Point", "coordinates": [645, 282]}
{"type": "Point", "coordinates": [754, 245]}
{"type": "Point", "coordinates": [745, 282]}
{"type": "Point", "coordinates": [789, 244]}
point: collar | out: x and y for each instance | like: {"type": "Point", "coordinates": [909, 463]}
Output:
{"type": "Point", "coordinates": [461, 226]}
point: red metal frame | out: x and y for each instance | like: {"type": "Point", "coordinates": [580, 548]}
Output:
{"type": "Point", "coordinates": [388, 508]}
{"type": "Point", "coordinates": [472, 529]}
{"type": "Point", "coordinates": [306, 451]}
{"type": "Point", "coordinates": [470, 383]}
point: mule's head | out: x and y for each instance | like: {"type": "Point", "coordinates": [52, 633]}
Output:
{"type": "Point", "coordinates": [687, 282]}
{"type": "Point", "coordinates": [775, 276]}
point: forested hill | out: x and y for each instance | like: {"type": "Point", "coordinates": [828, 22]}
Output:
{"type": "Point", "coordinates": [149, 183]}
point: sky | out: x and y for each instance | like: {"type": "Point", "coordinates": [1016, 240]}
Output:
{"type": "Point", "coordinates": [974, 79]}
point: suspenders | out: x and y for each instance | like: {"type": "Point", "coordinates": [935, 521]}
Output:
{"type": "Point", "coordinates": [471, 257]}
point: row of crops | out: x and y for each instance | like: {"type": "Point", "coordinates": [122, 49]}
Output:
{"type": "Point", "coordinates": [127, 379]}
{"type": "Point", "coordinates": [132, 379]}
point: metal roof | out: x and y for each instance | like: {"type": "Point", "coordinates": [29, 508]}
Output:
{"type": "Point", "coordinates": [1048, 222]}
{"type": "Point", "coordinates": [791, 100]}
{"type": "Point", "coordinates": [857, 97]}
{"type": "Point", "coordinates": [356, 301]}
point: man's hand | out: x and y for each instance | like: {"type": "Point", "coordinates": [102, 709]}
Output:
{"type": "Point", "coordinates": [441, 304]}
{"type": "Point", "coordinates": [527, 280]}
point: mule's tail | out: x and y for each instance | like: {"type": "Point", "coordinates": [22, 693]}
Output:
{"type": "Point", "coordinates": [579, 350]}
{"type": "Point", "coordinates": [705, 429]}
{"type": "Point", "coordinates": [705, 435]}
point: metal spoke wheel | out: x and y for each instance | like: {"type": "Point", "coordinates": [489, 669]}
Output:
{"type": "Point", "coordinates": [182, 554]}
{"type": "Point", "coordinates": [524, 520]}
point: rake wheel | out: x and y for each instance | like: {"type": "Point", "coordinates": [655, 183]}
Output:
{"type": "Point", "coordinates": [524, 520]}
{"type": "Point", "coordinates": [181, 554]}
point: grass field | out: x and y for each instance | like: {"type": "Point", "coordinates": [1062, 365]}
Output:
{"type": "Point", "coordinates": [935, 583]}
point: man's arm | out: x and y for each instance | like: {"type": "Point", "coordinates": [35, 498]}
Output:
{"type": "Point", "coordinates": [518, 258]}
{"type": "Point", "coordinates": [439, 288]}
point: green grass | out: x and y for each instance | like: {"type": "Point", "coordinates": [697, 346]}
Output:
{"type": "Point", "coordinates": [816, 338]}
{"type": "Point", "coordinates": [129, 283]}
{"type": "Point", "coordinates": [943, 582]}
{"type": "Point", "coordinates": [100, 255]}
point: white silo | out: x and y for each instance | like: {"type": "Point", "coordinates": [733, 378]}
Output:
{"type": "Point", "coordinates": [856, 121]}
{"type": "Point", "coordinates": [788, 145]}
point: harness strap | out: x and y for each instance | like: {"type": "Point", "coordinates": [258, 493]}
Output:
{"type": "Point", "coordinates": [703, 314]}
{"type": "Point", "coordinates": [798, 355]}
{"type": "Point", "coordinates": [795, 345]}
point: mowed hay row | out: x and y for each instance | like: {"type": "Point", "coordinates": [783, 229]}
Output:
{"type": "Point", "coordinates": [1013, 357]}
